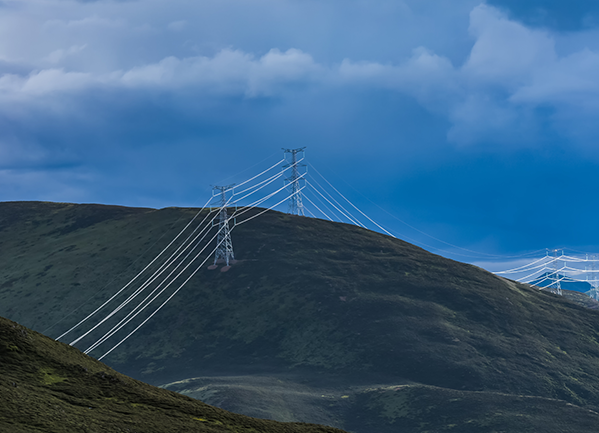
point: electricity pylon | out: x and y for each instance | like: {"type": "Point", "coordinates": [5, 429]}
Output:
{"type": "Point", "coordinates": [593, 271]}
{"type": "Point", "coordinates": [558, 285]}
{"type": "Point", "coordinates": [293, 182]}
{"type": "Point", "coordinates": [224, 249]}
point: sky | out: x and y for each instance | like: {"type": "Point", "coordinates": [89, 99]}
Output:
{"type": "Point", "coordinates": [473, 122]}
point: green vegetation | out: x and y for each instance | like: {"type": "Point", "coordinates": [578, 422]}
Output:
{"type": "Point", "coordinates": [324, 306]}
{"type": "Point", "coordinates": [48, 386]}
{"type": "Point", "coordinates": [49, 376]}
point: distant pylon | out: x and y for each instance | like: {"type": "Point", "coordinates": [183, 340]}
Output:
{"type": "Point", "coordinates": [293, 182]}
{"type": "Point", "coordinates": [593, 271]}
{"type": "Point", "coordinates": [224, 249]}
{"type": "Point", "coordinates": [558, 285]}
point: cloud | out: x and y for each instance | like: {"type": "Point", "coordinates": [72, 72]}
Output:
{"type": "Point", "coordinates": [276, 69]}
{"type": "Point", "coordinates": [228, 72]}
{"type": "Point", "coordinates": [158, 99]}
{"type": "Point", "coordinates": [511, 78]}
{"type": "Point", "coordinates": [481, 117]}
{"type": "Point", "coordinates": [497, 95]}
{"type": "Point", "coordinates": [426, 76]}
{"type": "Point", "coordinates": [47, 81]}
{"type": "Point", "coordinates": [505, 51]}
{"type": "Point", "coordinates": [511, 70]}
{"type": "Point", "coordinates": [571, 80]}
{"type": "Point", "coordinates": [57, 56]}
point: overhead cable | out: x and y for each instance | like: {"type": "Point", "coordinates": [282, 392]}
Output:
{"type": "Point", "coordinates": [185, 282]}
{"type": "Point", "coordinates": [136, 276]}
{"type": "Point", "coordinates": [153, 277]}
{"type": "Point", "coordinates": [357, 221]}
{"type": "Point", "coordinates": [312, 203]}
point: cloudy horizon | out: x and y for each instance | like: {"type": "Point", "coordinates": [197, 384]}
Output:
{"type": "Point", "coordinates": [474, 122]}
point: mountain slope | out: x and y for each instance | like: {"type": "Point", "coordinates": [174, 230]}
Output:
{"type": "Point", "coordinates": [318, 303]}
{"type": "Point", "coordinates": [391, 408]}
{"type": "Point", "coordinates": [46, 386]}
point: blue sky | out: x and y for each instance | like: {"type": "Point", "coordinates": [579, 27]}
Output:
{"type": "Point", "coordinates": [475, 122]}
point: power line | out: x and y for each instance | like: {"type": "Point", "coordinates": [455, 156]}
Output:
{"type": "Point", "coordinates": [138, 274]}
{"type": "Point", "coordinates": [189, 252]}
{"type": "Point", "coordinates": [184, 282]}
{"type": "Point", "coordinates": [147, 301]}
{"type": "Point", "coordinates": [165, 265]}
{"type": "Point", "coordinates": [350, 219]}
{"type": "Point", "coordinates": [420, 231]}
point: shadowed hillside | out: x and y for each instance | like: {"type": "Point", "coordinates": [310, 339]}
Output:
{"type": "Point", "coordinates": [322, 305]}
{"type": "Point", "coordinates": [46, 386]}
{"type": "Point", "coordinates": [390, 408]}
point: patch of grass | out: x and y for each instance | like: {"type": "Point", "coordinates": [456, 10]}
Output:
{"type": "Point", "coordinates": [48, 376]}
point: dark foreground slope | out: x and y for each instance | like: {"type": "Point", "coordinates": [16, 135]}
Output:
{"type": "Point", "coordinates": [46, 386]}
{"type": "Point", "coordinates": [328, 308]}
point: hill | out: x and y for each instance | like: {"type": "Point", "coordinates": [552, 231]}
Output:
{"type": "Point", "coordinates": [390, 408]}
{"type": "Point", "coordinates": [47, 386]}
{"type": "Point", "coordinates": [326, 308]}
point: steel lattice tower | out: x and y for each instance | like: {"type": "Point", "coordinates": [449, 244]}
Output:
{"type": "Point", "coordinates": [224, 249]}
{"type": "Point", "coordinates": [593, 271]}
{"type": "Point", "coordinates": [293, 182]}
{"type": "Point", "coordinates": [558, 284]}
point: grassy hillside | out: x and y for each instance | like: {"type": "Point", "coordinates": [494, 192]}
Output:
{"type": "Point", "coordinates": [46, 386]}
{"type": "Point", "coordinates": [322, 303]}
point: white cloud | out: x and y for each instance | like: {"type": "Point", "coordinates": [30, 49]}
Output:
{"type": "Point", "coordinates": [228, 72]}
{"type": "Point", "coordinates": [511, 71]}
{"type": "Point", "coordinates": [55, 81]}
{"type": "Point", "coordinates": [571, 80]}
{"type": "Point", "coordinates": [276, 69]}
{"type": "Point", "coordinates": [225, 72]}
{"type": "Point", "coordinates": [57, 56]}
{"type": "Point", "coordinates": [505, 51]}
{"type": "Point", "coordinates": [95, 77]}
{"type": "Point", "coordinates": [491, 96]}
{"type": "Point", "coordinates": [426, 76]}
{"type": "Point", "coordinates": [480, 117]}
